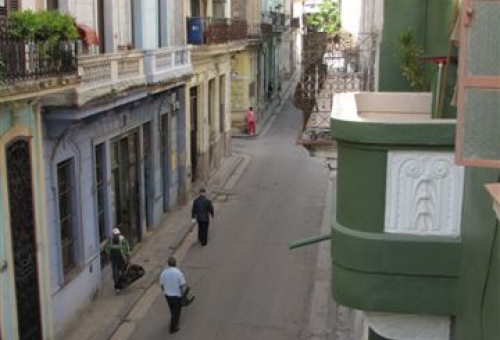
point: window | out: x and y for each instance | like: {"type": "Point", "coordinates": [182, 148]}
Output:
{"type": "Point", "coordinates": [100, 186]}
{"type": "Point", "coordinates": [52, 4]}
{"type": "Point", "coordinates": [479, 85]}
{"type": "Point", "coordinates": [195, 8]}
{"type": "Point", "coordinates": [65, 192]}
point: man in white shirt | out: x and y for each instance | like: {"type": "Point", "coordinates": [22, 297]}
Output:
{"type": "Point", "coordinates": [172, 283]}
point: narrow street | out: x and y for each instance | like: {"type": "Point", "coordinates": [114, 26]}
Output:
{"type": "Point", "coordinates": [248, 284]}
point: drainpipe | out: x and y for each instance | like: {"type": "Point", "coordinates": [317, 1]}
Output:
{"type": "Point", "coordinates": [308, 241]}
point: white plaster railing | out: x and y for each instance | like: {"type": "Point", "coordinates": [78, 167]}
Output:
{"type": "Point", "coordinates": [106, 73]}
{"type": "Point", "coordinates": [167, 63]}
{"type": "Point", "coordinates": [390, 107]}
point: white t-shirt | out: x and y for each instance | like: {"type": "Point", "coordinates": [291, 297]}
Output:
{"type": "Point", "coordinates": [172, 279]}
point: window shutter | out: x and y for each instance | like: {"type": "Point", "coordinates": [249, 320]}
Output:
{"type": "Point", "coordinates": [478, 128]}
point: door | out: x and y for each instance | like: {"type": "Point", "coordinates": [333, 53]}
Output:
{"type": "Point", "coordinates": [125, 182]}
{"type": "Point", "coordinates": [24, 242]}
{"type": "Point", "coordinates": [211, 123]}
{"type": "Point", "coordinates": [148, 173]}
{"type": "Point", "coordinates": [100, 25]}
{"type": "Point", "coordinates": [193, 95]}
{"type": "Point", "coordinates": [165, 159]}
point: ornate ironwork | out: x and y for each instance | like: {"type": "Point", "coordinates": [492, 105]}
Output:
{"type": "Point", "coordinates": [22, 223]}
{"type": "Point", "coordinates": [331, 64]}
{"type": "Point", "coordinates": [22, 60]}
{"type": "Point", "coordinates": [222, 30]}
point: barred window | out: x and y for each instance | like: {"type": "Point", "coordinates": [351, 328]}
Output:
{"type": "Point", "coordinates": [65, 193]}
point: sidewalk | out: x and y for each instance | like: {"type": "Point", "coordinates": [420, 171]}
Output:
{"type": "Point", "coordinates": [272, 108]}
{"type": "Point", "coordinates": [109, 310]}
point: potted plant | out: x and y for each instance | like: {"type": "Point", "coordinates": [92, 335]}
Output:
{"type": "Point", "coordinates": [50, 26]}
{"type": "Point", "coordinates": [50, 33]}
{"type": "Point", "coordinates": [412, 66]}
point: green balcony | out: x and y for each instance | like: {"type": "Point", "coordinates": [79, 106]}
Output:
{"type": "Point", "coordinates": [396, 233]}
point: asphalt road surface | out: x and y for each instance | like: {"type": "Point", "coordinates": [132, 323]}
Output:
{"type": "Point", "coordinates": [249, 285]}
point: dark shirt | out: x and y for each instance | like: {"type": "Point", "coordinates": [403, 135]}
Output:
{"type": "Point", "coordinates": [202, 209]}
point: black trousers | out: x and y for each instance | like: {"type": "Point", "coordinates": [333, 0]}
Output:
{"type": "Point", "coordinates": [175, 306]}
{"type": "Point", "coordinates": [203, 232]}
{"type": "Point", "coordinates": [118, 266]}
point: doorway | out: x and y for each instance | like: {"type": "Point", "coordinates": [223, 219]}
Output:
{"type": "Point", "coordinates": [165, 159]}
{"type": "Point", "coordinates": [148, 173]}
{"type": "Point", "coordinates": [193, 96]}
{"type": "Point", "coordinates": [125, 185]}
{"type": "Point", "coordinates": [24, 240]}
{"type": "Point", "coordinates": [100, 25]}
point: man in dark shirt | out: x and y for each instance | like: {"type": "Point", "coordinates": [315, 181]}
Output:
{"type": "Point", "coordinates": [201, 211]}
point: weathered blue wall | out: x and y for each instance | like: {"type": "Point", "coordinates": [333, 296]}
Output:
{"type": "Point", "coordinates": [77, 139]}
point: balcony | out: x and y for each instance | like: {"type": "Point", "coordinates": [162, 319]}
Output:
{"type": "Point", "coordinates": [396, 232]}
{"type": "Point", "coordinates": [210, 31]}
{"type": "Point", "coordinates": [32, 67]}
{"type": "Point", "coordinates": [259, 31]}
{"type": "Point", "coordinates": [103, 76]}
{"type": "Point", "coordinates": [167, 64]}
{"type": "Point", "coordinates": [279, 21]}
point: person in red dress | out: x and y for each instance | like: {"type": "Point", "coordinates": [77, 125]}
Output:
{"type": "Point", "coordinates": [250, 116]}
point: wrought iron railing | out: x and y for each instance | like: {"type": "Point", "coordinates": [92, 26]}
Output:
{"type": "Point", "coordinates": [278, 18]}
{"type": "Point", "coordinates": [254, 30]}
{"type": "Point", "coordinates": [23, 60]}
{"type": "Point", "coordinates": [216, 30]}
{"type": "Point", "coordinates": [259, 30]}
{"type": "Point", "coordinates": [266, 29]}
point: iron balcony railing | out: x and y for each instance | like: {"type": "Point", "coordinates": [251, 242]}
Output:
{"type": "Point", "coordinates": [259, 30]}
{"type": "Point", "coordinates": [23, 60]}
{"type": "Point", "coordinates": [215, 30]}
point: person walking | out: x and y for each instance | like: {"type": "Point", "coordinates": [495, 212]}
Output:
{"type": "Point", "coordinates": [173, 283]}
{"type": "Point", "coordinates": [118, 251]}
{"type": "Point", "coordinates": [250, 117]}
{"type": "Point", "coordinates": [201, 211]}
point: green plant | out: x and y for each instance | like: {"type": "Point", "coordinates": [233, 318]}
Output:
{"type": "Point", "coordinates": [51, 26]}
{"type": "Point", "coordinates": [327, 19]}
{"type": "Point", "coordinates": [412, 66]}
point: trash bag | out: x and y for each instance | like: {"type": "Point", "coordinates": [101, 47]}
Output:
{"type": "Point", "coordinates": [133, 273]}
{"type": "Point", "coordinates": [187, 296]}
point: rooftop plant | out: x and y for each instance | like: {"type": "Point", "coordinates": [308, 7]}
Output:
{"type": "Point", "coordinates": [326, 19]}
{"type": "Point", "coordinates": [51, 26]}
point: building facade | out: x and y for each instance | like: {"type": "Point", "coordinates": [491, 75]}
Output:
{"type": "Point", "coordinates": [215, 37]}
{"type": "Point", "coordinates": [112, 151]}
{"type": "Point", "coordinates": [29, 71]}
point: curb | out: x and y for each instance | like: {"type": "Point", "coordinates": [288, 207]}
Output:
{"type": "Point", "coordinates": [122, 316]}
{"type": "Point", "coordinates": [148, 281]}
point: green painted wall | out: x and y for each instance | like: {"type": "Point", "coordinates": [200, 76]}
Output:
{"type": "Point", "coordinates": [431, 21]}
{"type": "Point", "coordinates": [361, 188]}
{"type": "Point", "coordinates": [397, 18]}
{"type": "Point", "coordinates": [373, 270]}
{"type": "Point", "coordinates": [479, 287]}
{"type": "Point", "coordinates": [394, 273]}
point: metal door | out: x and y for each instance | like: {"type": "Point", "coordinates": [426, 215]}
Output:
{"type": "Point", "coordinates": [331, 64]}
{"type": "Point", "coordinates": [125, 174]}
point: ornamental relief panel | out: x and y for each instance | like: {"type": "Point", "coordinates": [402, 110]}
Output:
{"type": "Point", "coordinates": [424, 194]}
